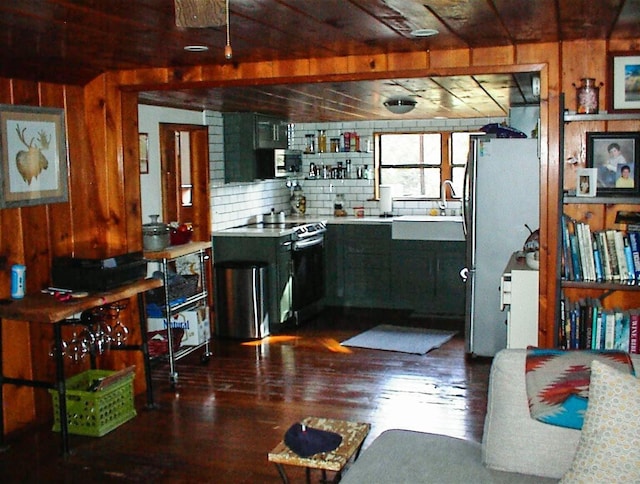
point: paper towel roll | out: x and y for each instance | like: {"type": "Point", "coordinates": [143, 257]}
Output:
{"type": "Point", "coordinates": [386, 199]}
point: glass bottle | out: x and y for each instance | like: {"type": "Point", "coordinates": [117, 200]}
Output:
{"type": "Point", "coordinates": [587, 94]}
{"type": "Point", "coordinates": [322, 141]}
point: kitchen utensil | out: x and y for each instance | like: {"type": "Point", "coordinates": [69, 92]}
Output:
{"type": "Point", "coordinates": [155, 235]}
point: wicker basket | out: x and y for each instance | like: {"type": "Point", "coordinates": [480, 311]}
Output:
{"type": "Point", "coordinates": [180, 287]}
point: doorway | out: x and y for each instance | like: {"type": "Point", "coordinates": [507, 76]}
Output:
{"type": "Point", "coordinates": [184, 164]}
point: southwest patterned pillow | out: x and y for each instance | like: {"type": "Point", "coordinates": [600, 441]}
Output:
{"type": "Point", "coordinates": [558, 382]}
{"type": "Point", "coordinates": [609, 446]}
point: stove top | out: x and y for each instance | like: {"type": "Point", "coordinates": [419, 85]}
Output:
{"type": "Point", "coordinates": [301, 230]}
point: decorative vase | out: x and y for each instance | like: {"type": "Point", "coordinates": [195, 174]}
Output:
{"type": "Point", "coordinates": [587, 94]}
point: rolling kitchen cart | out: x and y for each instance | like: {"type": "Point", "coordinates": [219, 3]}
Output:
{"type": "Point", "coordinates": [172, 303]}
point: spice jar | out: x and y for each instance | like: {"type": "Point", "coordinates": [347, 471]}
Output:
{"type": "Point", "coordinates": [335, 145]}
{"type": "Point", "coordinates": [338, 206]}
{"type": "Point", "coordinates": [587, 96]}
{"type": "Point", "coordinates": [309, 143]}
{"type": "Point", "coordinates": [322, 141]}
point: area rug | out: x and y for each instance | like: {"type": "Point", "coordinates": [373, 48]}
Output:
{"type": "Point", "coordinates": [399, 338]}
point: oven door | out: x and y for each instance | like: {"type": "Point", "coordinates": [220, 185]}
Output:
{"type": "Point", "coordinates": [308, 272]}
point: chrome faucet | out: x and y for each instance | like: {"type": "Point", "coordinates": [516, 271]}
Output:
{"type": "Point", "coordinates": [443, 196]}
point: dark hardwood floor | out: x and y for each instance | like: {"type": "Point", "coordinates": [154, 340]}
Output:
{"type": "Point", "coordinates": [223, 417]}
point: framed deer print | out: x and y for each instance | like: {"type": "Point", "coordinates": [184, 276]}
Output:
{"type": "Point", "coordinates": [33, 156]}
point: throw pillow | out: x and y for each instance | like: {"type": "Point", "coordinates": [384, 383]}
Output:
{"type": "Point", "coordinates": [609, 446]}
{"type": "Point", "coordinates": [558, 382]}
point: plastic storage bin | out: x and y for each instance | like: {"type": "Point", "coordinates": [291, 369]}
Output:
{"type": "Point", "coordinates": [95, 413]}
{"type": "Point", "coordinates": [241, 303]}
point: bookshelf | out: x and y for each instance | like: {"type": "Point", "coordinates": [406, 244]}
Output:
{"type": "Point", "coordinates": [599, 214]}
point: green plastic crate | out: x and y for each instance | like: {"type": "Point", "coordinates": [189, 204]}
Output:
{"type": "Point", "coordinates": [95, 413]}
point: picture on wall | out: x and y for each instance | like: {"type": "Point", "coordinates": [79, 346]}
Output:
{"type": "Point", "coordinates": [624, 82]}
{"type": "Point", "coordinates": [33, 156]}
{"type": "Point", "coordinates": [615, 157]}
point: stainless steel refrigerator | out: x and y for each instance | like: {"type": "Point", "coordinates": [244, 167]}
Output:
{"type": "Point", "coordinates": [501, 195]}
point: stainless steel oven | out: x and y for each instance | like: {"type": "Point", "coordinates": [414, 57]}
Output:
{"type": "Point", "coordinates": [307, 254]}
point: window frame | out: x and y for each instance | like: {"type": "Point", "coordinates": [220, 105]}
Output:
{"type": "Point", "coordinates": [446, 162]}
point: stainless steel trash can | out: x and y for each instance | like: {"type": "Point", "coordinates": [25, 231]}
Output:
{"type": "Point", "coordinates": [241, 300]}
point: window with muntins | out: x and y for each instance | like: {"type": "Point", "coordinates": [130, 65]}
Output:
{"type": "Point", "coordinates": [420, 162]}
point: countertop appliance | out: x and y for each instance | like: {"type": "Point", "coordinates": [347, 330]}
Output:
{"type": "Point", "coordinates": [501, 195]}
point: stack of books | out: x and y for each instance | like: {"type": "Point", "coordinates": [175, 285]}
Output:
{"type": "Point", "coordinates": [599, 256]}
{"type": "Point", "coordinates": [585, 324]}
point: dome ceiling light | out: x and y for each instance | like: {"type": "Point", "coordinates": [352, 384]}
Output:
{"type": "Point", "coordinates": [400, 105]}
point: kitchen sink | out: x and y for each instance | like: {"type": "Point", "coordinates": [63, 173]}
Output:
{"type": "Point", "coordinates": [428, 227]}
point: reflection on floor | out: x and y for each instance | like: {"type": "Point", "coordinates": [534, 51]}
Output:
{"type": "Point", "coordinates": [223, 417]}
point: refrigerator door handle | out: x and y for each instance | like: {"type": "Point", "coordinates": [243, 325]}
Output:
{"type": "Point", "coordinates": [464, 274]}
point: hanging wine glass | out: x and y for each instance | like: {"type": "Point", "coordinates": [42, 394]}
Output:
{"type": "Point", "coordinates": [120, 334]}
{"type": "Point", "coordinates": [77, 347]}
{"type": "Point", "coordinates": [53, 350]}
{"type": "Point", "coordinates": [102, 331]}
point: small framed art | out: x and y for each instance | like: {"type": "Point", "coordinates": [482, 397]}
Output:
{"type": "Point", "coordinates": [144, 153]}
{"type": "Point", "coordinates": [586, 182]}
{"type": "Point", "coordinates": [614, 155]}
{"type": "Point", "coordinates": [624, 82]}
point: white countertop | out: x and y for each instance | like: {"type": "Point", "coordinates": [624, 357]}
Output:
{"type": "Point", "coordinates": [275, 231]}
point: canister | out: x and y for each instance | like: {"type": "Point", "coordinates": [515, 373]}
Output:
{"type": "Point", "coordinates": [155, 235]}
{"type": "Point", "coordinates": [18, 273]}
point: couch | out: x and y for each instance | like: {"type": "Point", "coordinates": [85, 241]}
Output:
{"type": "Point", "coordinates": [514, 448]}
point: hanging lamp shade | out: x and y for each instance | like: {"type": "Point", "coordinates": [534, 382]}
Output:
{"type": "Point", "coordinates": [400, 105]}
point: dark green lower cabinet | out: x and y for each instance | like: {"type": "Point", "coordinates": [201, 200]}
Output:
{"type": "Point", "coordinates": [426, 276]}
{"type": "Point", "coordinates": [366, 268]}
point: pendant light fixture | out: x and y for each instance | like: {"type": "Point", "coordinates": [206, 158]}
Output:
{"type": "Point", "coordinates": [400, 105]}
{"type": "Point", "coordinates": [228, 52]}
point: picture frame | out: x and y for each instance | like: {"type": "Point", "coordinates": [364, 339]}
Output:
{"type": "Point", "coordinates": [586, 182]}
{"type": "Point", "coordinates": [624, 82]}
{"type": "Point", "coordinates": [33, 156]}
{"type": "Point", "coordinates": [144, 153]}
{"type": "Point", "coordinates": [616, 158]}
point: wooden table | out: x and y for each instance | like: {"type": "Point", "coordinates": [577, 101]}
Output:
{"type": "Point", "coordinates": [353, 435]}
{"type": "Point", "coordinates": [44, 308]}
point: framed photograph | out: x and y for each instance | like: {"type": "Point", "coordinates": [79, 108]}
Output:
{"type": "Point", "coordinates": [33, 156]}
{"type": "Point", "coordinates": [144, 153]}
{"type": "Point", "coordinates": [624, 82]}
{"type": "Point", "coordinates": [587, 179]}
{"type": "Point", "coordinates": [614, 156]}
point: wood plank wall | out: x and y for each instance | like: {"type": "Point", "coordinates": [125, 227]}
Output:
{"type": "Point", "coordinates": [103, 212]}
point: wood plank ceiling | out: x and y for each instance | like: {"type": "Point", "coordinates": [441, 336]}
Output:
{"type": "Point", "coordinates": [73, 41]}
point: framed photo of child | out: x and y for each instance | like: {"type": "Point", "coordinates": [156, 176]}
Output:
{"type": "Point", "coordinates": [615, 157]}
{"type": "Point", "coordinates": [586, 182]}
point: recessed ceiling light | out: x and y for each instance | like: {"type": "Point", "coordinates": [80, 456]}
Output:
{"type": "Point", "coordinates": [424, 32]}
{"type": "Point", "coordinates": [196, 48]}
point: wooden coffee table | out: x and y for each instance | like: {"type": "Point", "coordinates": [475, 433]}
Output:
{"type": "Point", "coordinates": [353, 435]}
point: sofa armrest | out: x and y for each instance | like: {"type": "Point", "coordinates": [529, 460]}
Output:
{"type": "Point", "coordinates": [512, 440]}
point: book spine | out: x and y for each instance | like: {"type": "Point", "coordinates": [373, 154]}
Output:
{"type": "Point", "coordinates": [622, 260]}
{"type": "Point", "coordinates": [634, 332]}
{"type": "Point", "coordinates": [609, 330]}
{"type": "Point", "coordinates": [621, 337]}
{"type": "Point", "coordinates": [631, 271]}
{"type": "Point", "coordinates": [634, 241]}
{"type": "Point", "coordinates": [613, 258]}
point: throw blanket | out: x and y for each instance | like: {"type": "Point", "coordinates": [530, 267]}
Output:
{"type": "Point", "coordinates": [558, 382]}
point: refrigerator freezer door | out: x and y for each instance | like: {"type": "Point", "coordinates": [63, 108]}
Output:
{"type": "Point", "coordinates": [504, 196]}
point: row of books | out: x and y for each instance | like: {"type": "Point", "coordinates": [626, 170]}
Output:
{"type": "Point", "coordinates": [585, 324]}
{"type": "Point", "coordinates": [599, 256]}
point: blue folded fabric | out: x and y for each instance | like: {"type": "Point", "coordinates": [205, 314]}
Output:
{"type": "Point", "coordinates": [306, 441]}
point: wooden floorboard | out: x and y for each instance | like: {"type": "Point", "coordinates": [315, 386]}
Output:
{"type": "Point", "coordinates": [223, 417]}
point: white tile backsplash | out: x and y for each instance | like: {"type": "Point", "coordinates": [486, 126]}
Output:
{"type": "Point", "coordinates": [239, 203]}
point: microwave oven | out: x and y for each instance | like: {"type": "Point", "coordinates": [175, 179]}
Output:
{"type": "Point", "coordinates": [287, 162]}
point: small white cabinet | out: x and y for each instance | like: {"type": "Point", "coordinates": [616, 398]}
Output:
{"type": "Point", "coordinates": [519, 298]}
